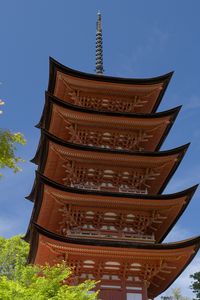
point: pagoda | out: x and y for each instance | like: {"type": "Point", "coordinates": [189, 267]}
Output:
{"type": "Point", "coordinates": [98, 202]}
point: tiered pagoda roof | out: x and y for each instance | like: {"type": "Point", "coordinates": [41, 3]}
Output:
{"type": "Point", "coordinates": [97, 193]}
{"type": "Point", "coordinates": [127, 131]}
{"type": "Point", "coordinates": [139, 265]}
{"type": "Point", "coordinates": [65, 210]}
{"type": "Point", "coordinates": [105, 169]}
{"type": "Point", "coordinates": [106, 93]}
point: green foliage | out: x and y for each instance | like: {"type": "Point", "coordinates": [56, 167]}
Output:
{"type": "Point", "coordinates": [8, 141]}
{"type": "Point", "coordinates": [176, 295]}
{"type": "Point", "coordinates": [42, 283]}
{"type": "Point", "coordinates": [13, 253]}
{"type": "Point", "coordinates": [22, 282]}
{"type": "Point", "coordinates": [196, 284]}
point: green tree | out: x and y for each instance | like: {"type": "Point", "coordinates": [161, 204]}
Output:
{"type": "Point", "coordinates": [196, 284]}
{"type": "Point", "coordinates": [176, 295]}
{"type": "Point", "coordinates": [13, 253]}
{"type": "Point", "coordinates": [42, 283]}
{"type": "Point", "coordinates": [8, 141]}
{"type": "Point", "coordinates": [22, 282]}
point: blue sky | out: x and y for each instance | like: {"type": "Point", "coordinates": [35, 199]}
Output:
{"type": "Point", "coordinates": [141, 39]}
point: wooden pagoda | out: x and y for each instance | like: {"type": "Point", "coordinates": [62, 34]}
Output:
{"type": "Point", "coordinates": [97, 192]}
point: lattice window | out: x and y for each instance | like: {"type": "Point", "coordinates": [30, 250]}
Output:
{"type": "Point", "coordinates": [107, 101]}
{"type": "Point", "coordinates": [109, 225]}
{"type": "Point", "coordinates": [131, 271]}
{"type": "Point", "coordinates": [107, 137]}
{"type": "Point", "coordinates": [122, 180]}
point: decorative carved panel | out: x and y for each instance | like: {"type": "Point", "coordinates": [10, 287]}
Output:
{"type": "Point", "coordinates": [108, 224]}
{"type": "Point", "coordinates": [133, 223]}
{"type": "Point", "coordinates": [145, 270]}
{"type": "Point", "coordinates": [107, 101]}
{"type": "Point", "coordinates": [105, 171]}
{"type": "Point", "coordinates": [109, 138]}
{"type": "Point", "coordinates": [113, 179]}
{"type": "Point", "coordinates": [108, 131]}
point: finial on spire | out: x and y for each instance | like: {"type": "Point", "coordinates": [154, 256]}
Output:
{"type": "Point", "coordinates": [99, 46]}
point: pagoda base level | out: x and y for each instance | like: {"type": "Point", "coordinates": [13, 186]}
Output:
{"type": "Point", "coordinates": [125, 267]}
{"type": "Point", "coordinates": [110, 291]}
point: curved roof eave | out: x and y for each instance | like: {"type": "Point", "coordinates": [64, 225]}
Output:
{"type": "Point", "coordinates": [195, 241]}
{"type": "Point", "coordinates": [46, 137]}
{"type": "Point", "coordinates": [51, 99]}
{"type": "Point", "coordinates": [50, 137]}
{"type": "Point", "coordinates": [41, 180]}
{"type": "Point", "coordinates": [56, 66]}
{"type": "Point", "coordinates": [45, 119]}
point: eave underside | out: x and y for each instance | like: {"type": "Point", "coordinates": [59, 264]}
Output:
{"type": "Point", "coordinates": [80, 184]}
{"type": "Point", "coordinates": [138, 132]}
{"type": "Point", "coordinates": [158, 265]}
{"type": "Point", "coordinates": [106, 93]}
{"type": "Point", "coordinates": [66, 212]}
{"type": "Point", "coordinates": [151, 170]}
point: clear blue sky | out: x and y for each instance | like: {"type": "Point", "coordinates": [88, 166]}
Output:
{"type": "Point", "coordinates": [141, 39]}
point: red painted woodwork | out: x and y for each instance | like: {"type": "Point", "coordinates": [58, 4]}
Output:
{"type": "Point", "coordinates": [107, 217]}
{"type": "Point", "coordinates": [127, 132]}
{"type": "Point", "coordinates": [133, 267]}
{"type": "Point", "coordinates": [97, 202]}
{"type": "Point", "coordinates": [104, 93]}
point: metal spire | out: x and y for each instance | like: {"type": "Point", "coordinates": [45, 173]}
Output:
{"type": "Point", "coordinates": [99, 46]}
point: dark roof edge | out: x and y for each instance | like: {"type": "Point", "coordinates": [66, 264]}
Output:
{"type": "Point", "coordinates": [197, 246]}
{"type": "Point", "coordinates": [166, 83]}
{"type": "Point", "coordinates": [46, 116]}
{"type": "Point", "coordinates": [168, 128]}
{"type": "Point", "coordinates": [33, 244]}
{"type": "Point", "coordinates": [36, 158]}
{"type": "Point", "coordinates": [44, 180]}
{"type": "Point", "coordinates": [55, 64]}
{"type": "Point", "coordinates": [46, 137]}
{"type": "Point", "coordinates": [120, 244]}
{"type": "Point", "coordinates": [60, 142]}
{"type": "Point", "coordinates": [190, 242]}
{"type": "Point", "coordinates": [51, 98]}
{"type": "Point", "coordinates": [189, 192]}
{"type": "Point", "coordinates": [174, 168]}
